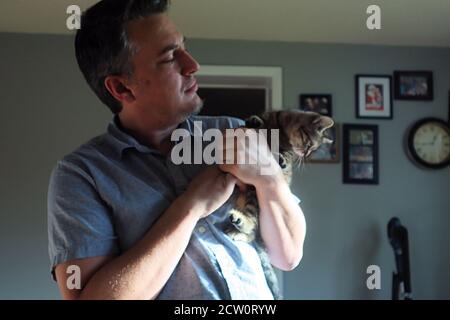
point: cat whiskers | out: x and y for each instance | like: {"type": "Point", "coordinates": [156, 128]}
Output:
{"type": "Point", "coordinates": [301, 165]}
{"type": "Point", "coordinates": [297, 158]}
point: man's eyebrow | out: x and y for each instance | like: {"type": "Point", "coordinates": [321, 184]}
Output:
{"type": "Point", "coordinates": [171, 47]}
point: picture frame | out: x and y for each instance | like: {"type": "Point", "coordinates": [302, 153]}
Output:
{"type": "Point", "coordinates": [373, 95]}
{"type": "Point", "coordinates": [413, 85]}
{"type": "Point", "coordinates": [360, 154]}
{"type": "Point", "coordinates": [328, 153]}
{"type": "Point", "coordinates": [320, 103]}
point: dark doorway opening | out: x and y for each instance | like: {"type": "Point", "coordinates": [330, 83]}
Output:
{"type": "Point", "coordinates": [233, 102]}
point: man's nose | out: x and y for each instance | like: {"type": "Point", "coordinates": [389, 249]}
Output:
{"type": "Point", "coordinates": [189, 64]}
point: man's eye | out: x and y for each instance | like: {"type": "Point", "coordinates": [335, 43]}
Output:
{"type": "Point", "coordinates": [168, 60]}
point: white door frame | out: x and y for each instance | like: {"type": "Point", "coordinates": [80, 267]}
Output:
{"type": "Point", "coordinates": [269, 78]}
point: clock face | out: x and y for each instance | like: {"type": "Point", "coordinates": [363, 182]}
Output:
{"type": "Point", "coordinates": [430, 143]}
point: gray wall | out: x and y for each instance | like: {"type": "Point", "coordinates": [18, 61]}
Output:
{"type": "Point", "coordinates": [47, 110]}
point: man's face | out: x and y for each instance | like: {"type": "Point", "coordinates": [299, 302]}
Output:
{"type": "Point", "coordinates": [164, 88]}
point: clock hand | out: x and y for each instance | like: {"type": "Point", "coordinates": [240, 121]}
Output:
{"type": "Point", "coordinates": [432, 143]}
{"type": "Point", "coordinates": [438, 141]}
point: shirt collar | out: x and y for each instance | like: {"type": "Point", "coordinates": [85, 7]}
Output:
{"type": "Point", "coordinates": [121, 141]}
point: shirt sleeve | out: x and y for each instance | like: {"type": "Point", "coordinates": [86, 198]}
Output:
{"type": "Point", "coordinates": [236, 122]}
{"type": "Point", "coordinates": [297, 199]}
{"type": "Point", "coordinates": [79, 222]}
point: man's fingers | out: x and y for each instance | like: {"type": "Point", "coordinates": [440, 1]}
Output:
{"type": "Point", "coordinates": [242, 186]}
{"type": "Point", "coordinates": [227, 168]}
{"type": "Point", "coordinates": [230, 178]}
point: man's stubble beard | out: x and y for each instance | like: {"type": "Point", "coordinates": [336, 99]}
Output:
{"type": "Point", "coordinates": [195, 111]}
{"type": "Point", "coordinates": [199, 107]}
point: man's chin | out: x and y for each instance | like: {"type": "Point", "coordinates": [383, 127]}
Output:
{"type": "Point", "coordinates": [196, 108]}
{"type": "Point", "coordinates": [192, 109]}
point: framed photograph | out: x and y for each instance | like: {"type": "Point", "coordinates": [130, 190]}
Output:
{"type": "Point", "coordinates": [360, 158]}
{"type": "Point", "coordinates": [373, 96]}
{"type": "Point", "coordinates": [413, 85]}
{"type": "Point", "coordinates": [328, 153]}
{"type": "Point", "coordinates": [320, 103]}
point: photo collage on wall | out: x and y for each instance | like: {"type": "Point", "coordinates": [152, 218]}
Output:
{"type": "Point", "coordinates": [374, 96]}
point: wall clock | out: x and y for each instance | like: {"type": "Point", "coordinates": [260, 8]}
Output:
{"type": "Point", "coordinates": [429, 143]}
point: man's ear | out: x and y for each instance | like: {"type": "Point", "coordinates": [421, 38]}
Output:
{"type": "Point", "coordinates": [116, 86]}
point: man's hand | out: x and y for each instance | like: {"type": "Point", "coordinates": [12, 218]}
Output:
{"type": "Point", "coordinates": [210, 190]}
{"type": "Point", "coordinates": [256, 156]}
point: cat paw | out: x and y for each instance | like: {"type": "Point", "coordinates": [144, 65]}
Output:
{"type": "Point", "coordinates": [239, 236]}
{"type": "Point", "coordinates": [243, 222]}
{"type": "Point", "coordinates": [235, 220]}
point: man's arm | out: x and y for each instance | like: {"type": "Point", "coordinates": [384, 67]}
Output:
{"type": "Point", "coordinates": [142, 271]}
{"type": "Point", "coordinates": [282, 223]}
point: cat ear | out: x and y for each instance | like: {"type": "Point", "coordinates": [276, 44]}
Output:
{"type": "Point", "coordinates": [254, 122]}
{"type": "Point", "coordinates": [323, 123]}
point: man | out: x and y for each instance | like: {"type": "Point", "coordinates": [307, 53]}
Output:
{"type": "Point", "coordinates": [136, 225]}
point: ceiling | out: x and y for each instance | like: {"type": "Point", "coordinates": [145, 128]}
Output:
{"type": "Point", "coordinates": [403, 22]}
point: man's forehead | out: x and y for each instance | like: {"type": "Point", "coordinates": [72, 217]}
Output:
{"type": "Point", "coordinates": [156, 30]}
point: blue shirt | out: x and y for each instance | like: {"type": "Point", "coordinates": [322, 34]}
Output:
{"type": "Point", "coordinates": [107, 194]}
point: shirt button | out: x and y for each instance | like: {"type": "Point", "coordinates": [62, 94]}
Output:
{"type": "Point", "coordinates": [201, 229]}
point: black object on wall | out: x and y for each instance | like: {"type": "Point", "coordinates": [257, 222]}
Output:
{"type": "Point", "coordinates": [401, 282]}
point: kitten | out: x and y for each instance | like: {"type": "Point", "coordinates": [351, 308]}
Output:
{"type": "Point", "coordinates": [300, 133]}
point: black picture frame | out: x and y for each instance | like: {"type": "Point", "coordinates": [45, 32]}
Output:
{"type": "Point", "coordinates": [448, 108]}
{"type": "Point", "coordinates": [320, 103]}
{"type": "Point", "coordinates": [360, 154]}
{"type": "Point", "coordinates": [328, 153]}
{"type": "Point", "coordinates": [413, 85]}
{"type": "Point", "coordinates": [373, 96]}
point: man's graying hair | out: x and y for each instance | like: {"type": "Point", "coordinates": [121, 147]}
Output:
{"type": "Point", "coordinates": [102, 46]}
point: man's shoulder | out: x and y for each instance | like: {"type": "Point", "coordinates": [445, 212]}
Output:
{"type": "Point", "coordinates": [85, 153]}
{"type": "Point", "coordinates": [219, 122]}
